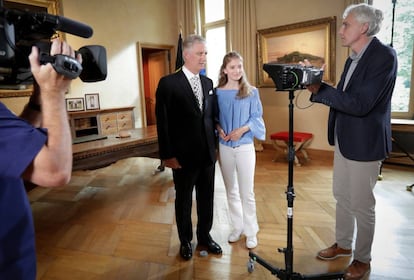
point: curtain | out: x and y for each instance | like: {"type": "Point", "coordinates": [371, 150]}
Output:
{"type": "Point", "coordinates": [242, 27]}
{"type": "Point", "coordinates": [187, 13]}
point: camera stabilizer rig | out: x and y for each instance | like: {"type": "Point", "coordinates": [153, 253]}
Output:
{"type": "Point", "coordinates": [289, 78]}
{"type": "Point", "coordinates": [20, 30]}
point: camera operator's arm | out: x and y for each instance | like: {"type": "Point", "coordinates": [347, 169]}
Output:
{"type": "Point", "coordinates": [52, 166]}
{"type": "Point", "coordinates": [32, 110]}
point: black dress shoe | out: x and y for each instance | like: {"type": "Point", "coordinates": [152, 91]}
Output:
{"type": "Point", "coordinates": [212, 247]}
{"type": "Point", "coordinates": [186, 251]}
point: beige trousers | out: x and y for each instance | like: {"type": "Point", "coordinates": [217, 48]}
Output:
{"type": "Point", "coordinates": [353, 185]}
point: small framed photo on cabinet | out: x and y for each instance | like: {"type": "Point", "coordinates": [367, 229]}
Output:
{"type": "Point", "coordinates": [92, 101]}
{"type": "Point", "coordinates": [75, 104]}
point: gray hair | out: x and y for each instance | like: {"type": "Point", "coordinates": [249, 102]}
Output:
{"type": "Point", "coordinates": [191, 40]}
{"type": "Point", "coordinates": [365, 13]}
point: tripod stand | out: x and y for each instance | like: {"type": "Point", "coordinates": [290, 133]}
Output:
{"type": "Point", "coordinates": [287, 273]}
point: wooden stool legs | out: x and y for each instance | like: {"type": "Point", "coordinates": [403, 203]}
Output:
{"type": "Point", "coordinates": [301, 140]}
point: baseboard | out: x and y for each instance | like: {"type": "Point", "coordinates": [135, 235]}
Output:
{"type": "Point", "coordinates": [400, 158]}
{"type": "Point", "coordinates": [313, 153]}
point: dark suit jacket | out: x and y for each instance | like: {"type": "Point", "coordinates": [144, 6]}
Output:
{"type": "Point", "coordinates": [184, 132]}
{"type": "Point", "coordinates": [361, 114]}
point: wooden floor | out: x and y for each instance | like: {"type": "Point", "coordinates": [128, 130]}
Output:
{"type": "Point", "coordinates": [118, 223]}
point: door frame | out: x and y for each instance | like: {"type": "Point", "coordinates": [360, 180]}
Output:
{"type": "Point", "coordinates": [140, 47]}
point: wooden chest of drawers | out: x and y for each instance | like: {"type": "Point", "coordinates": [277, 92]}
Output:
{"type": "Point", "coordinates": [112, 123]}
{"type": "Point", "coordinates": [101, 122]}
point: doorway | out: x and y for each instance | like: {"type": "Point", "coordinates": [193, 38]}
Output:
{"type": "Point", "coordinates": [155, 62]}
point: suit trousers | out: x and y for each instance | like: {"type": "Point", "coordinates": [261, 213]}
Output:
{"type": "Point", "coordinates": [238, 167]}
{"type": "Point", "coordinates": [353, 185]}
{"type": "Point", "coordinates": [202, 180]}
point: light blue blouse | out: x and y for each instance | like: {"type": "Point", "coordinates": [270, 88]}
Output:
{"type": "Point", "coordinates": [236, 112]}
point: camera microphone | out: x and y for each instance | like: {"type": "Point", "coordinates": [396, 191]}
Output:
{"type": "Point", "coordinates": [73, 27]}
{"type": "Point", "coordinates": [67, 25]}
{"type": "Point", "coordinates": [46, 24]}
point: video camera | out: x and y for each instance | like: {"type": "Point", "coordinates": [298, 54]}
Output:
{"type": "Point", "coordinates": [20, 30]}
{"type": "Point", "coordinates": [292, 76]}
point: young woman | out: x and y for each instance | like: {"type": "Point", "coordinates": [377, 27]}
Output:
{"type": "Point", "coordinates": [240, 121]}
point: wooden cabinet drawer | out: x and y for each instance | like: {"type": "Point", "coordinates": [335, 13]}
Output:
{"type": "Point", "coordinates": [108, 124]}
{"type": "Point", "coordinates": [126, 124]}
{"type": "Point", "coordinates": [109, 130]}
{"type": "Point", "coordinates": [112, 123]}
{"type": "Point", "coordinates": [124, 116]}
{"type": "Point", "coordinates": [108, 118]}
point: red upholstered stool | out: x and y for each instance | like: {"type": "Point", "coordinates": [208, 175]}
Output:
{"type": "Point", "coordinates": [301, 140]}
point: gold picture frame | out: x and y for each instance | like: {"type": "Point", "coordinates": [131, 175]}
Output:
{"type": "Point", "coordinates": [49, 6]}
{"type": "Point", "coordinates": [45, 6]}
{"type": "Point", "coordinates": [314, 40]}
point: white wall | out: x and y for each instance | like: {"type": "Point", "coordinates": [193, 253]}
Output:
{"type": "Point", "coordinates": [118, 26]}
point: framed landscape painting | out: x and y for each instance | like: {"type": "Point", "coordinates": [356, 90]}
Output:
{"type": "Point", "coordinates": [288, 44]}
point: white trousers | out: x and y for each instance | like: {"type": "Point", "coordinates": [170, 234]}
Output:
{"type": "Point", "coordinates": [238, 167]}
{"type": "Point", "coordinates": [353, 185]}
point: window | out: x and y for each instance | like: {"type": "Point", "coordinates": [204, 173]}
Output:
{"type": "Point", "coordinates": [214, 25]}
{"type": "Point", "coordinates": [214, 10]}
{"type": "Point", "coordinates": [402, 40]}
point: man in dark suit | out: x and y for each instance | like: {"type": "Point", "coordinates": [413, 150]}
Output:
{"type": "Point", "coordinates": [186, 121]}
{"type": "Point", "coordinates": [359, 126]}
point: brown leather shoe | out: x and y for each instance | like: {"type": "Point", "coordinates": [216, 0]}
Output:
{"type": "Point", "coordinates": [334, 252]}
{"type": "Point", "coordinates": [357, 270]}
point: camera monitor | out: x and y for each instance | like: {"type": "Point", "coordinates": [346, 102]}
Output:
{"type": "Point", "coordinates": [292, 76]}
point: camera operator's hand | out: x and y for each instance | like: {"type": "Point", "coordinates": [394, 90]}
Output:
{"type": "Point", "coordinates": [305, 63]}
{"type": "Point", "coordinates": [314, 88]}
{"type": "Point", "coordinates": [52, 166]}
{"type": "Point", "coordinates": [45, 75]}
